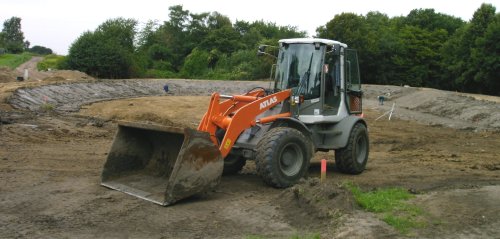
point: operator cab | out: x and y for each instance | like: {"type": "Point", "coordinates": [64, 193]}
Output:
{"type": "Point", "coordinates": [324, 78]}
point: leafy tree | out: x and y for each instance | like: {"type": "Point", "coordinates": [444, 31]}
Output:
{"type": "Point", "coordinates": [198, 27]}
{"type": "Point", "coordinates": [225, 39]}
{"type": "Point", "coordinates": [169, 47]}
{"type": "Point", "coordinates": [12, 35]}
{"type": "Point", "coordinates": [107, 52]}
{"type": "Point", "coordinates": [196, 64]}
{"type": "Point", "coordinates": [424, 48]}
{"type": "Point", "coordinates": [249, 36]}
{"type": "Point", "coordinates": [430, 20]}
{"type": "Point", "coordinates": [346, 27]}
{"type": "Point", "coordinates": [2, 40]}
{"type": "Point", "coordinates": [379, 52]}
{"type": "Point", "coordinates": [121, 31]}
{"type": "Point", "coordinates": [241, 65]}
{"type": "Point", "coordinates": [468, 66]}
{"type": "Point", "coordinates": [173, 34]}
{"type": "Point", "coordinates": [40, 50]}
{"type": "Point", "coordinates": [353, 30]}
{"type": "Point", "coordinates": [218, 21]}
{"type": "Point", "coordinates": [420, 61]}
{"type": "Point", "coordinates": [146, 36]}
{"type": "Point", "coordinates": [485, 57]}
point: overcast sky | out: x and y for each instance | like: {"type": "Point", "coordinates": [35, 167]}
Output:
{"type": "Point", "coordinates": [58, 23]}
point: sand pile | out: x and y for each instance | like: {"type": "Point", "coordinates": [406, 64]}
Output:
{"type": "Point", "coordinates": [6, 74]}
{"type": "Point", "coordinates": [310, 202]}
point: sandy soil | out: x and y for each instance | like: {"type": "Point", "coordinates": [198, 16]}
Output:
{"type": "Point", "coordinates": [50, 164]}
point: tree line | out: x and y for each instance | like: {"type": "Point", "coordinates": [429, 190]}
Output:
{"type": "Point", "coordinates": [188, 45]}
{"type": "Point", "coordinates": [422, 49]}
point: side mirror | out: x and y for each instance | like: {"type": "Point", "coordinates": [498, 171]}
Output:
{"type": "Point", "coordinates": [335, 50]}
{"type": "Point", "coordinates": [262, 50]}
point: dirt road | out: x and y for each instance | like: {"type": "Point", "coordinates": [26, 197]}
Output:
{"type": "Point", "coordinates": [50, 165]}
{"type": "Point", "coordinates": [30, 67]}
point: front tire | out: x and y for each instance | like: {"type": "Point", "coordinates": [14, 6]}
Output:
{"type": "Point", "coordinates": [353, 158]}
{"type": "Point", "coordinates": [283, 156]}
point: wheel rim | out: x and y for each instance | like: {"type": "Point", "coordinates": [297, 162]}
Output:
{"type": "Point", "coordinates": [291, 159]}
{"type": "Point", "coordinates": [361, 149]}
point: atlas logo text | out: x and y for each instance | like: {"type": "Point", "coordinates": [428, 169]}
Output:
{"type": "Point", "coordinates": [268, 102]}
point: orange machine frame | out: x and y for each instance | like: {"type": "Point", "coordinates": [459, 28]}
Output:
{"type": "Point", "coordinates": [238, 113]}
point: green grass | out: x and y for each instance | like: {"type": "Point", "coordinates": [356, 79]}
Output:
{"type": "Point", "coordinates": [392, 204]}
{"type": "Point", "coordinates": [47, 107]}
{"type": "Point", "coordinates": [50, 62]}
{"type": "Point", "coordinates": [14, 60]}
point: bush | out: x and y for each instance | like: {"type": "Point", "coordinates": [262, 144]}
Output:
{"type": "Point", "coordinates": [242, 65]}
{"type": "Point", "coordinates": [162, 65]}
{"type": "Point", "coordinates": [51, 62]}
{"type": "Point", "coordinates": [107, 52]}
{"type": "Point", "coordinates": [196, 64]}
{"type": "Point", "coordinates": [41, 50]}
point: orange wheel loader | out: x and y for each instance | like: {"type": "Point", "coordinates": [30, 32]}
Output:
{"type": "Point", "coordinates": [314, 105]}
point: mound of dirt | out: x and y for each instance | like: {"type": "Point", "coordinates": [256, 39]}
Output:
{"type": "Point", "coordinates": [61, 75]}
{"type": "Point", "coordinates": [179, 111]}
{"type": "Point", "coordinates": [316, 206]}
{"type": "Point", "coordinates": [54, 78]}
{"type": "Point", "coordinates": [6, 75]}
{"type": "Point", "coordinates": [438, 107]}
{"type": "Point", "coordinates": [152, 117]}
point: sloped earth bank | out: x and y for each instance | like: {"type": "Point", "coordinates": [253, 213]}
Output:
{"type": "Point", "coordinates": [50, 165]}
{"type": "Point", "coordinates": [70, 97]}
{"type": "Point", "coordinates": [424, 105]}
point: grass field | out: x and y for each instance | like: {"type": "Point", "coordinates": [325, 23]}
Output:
{"type": "Point", "coordinates": [14, 60]}
{"type": "Point", "coordinates": [50, 62]}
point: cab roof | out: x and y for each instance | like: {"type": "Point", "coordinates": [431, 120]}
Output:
{"type": "Point", "coordinates": [312, 40]}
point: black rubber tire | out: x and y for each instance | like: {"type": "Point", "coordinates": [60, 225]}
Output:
{"type": "Point", "coordinates": [283, 156]}
{"type": "Point", "coordinates": [353, 158]}
{"type": "Point", "coordinates": [233, 164]}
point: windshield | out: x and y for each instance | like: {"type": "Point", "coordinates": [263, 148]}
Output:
{"type": "Point", "coordinates": [299, 68]}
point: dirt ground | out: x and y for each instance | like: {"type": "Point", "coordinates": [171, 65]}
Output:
{"type": "Point", "coordinates": [9, 85]}
{"type": "Point", "coordinates": [50, 164]}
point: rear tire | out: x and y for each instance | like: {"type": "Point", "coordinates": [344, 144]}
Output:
{"type": "Point", "coordinates": [353, 158]}
{"type": "Point", "coordinates": [283, 156]}
{"type": "Point", "coordinates": [233, 164]}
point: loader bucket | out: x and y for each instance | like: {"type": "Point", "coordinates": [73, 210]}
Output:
{"type": "Point", "coordinates": [161, 164]}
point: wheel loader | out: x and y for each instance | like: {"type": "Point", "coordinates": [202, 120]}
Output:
{"type": "Point", "coordinates": [315, 105]}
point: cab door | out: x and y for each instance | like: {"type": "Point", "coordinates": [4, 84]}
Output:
{"type": "Point", "coordinates": [353, 82]}
{"type": "Point", "coordinates": [331, 87]}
